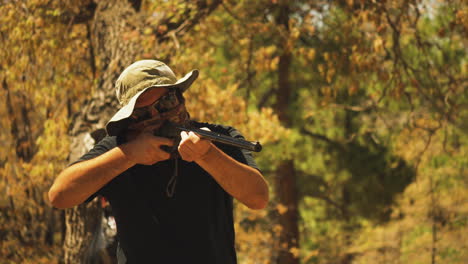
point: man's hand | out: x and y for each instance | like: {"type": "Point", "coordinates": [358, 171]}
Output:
{"type": "Point", "coordinates": [146, 149]}
{"type": "Point", "coordinates": [192, 147]}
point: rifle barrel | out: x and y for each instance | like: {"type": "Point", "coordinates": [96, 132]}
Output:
{"type": "Point", "coordinates": [236, 142]}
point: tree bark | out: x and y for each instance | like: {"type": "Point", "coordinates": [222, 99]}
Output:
{"type": "Point", "coordinates": [111, 54]}
{"type": "Point", "coordinates": [286, 186]}
{"type": "Point", "coordinates": [286, 192]}
{"type": "Point", "coordinates": [20, 125]}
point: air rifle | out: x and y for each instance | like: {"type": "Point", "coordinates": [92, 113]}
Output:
{"type": "Point", "coordinates": [171, 130]}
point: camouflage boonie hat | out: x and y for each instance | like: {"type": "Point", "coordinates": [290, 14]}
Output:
{"type": "Point", "coordinates": [137, 79]}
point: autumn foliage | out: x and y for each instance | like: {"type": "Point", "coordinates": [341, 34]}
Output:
{"type": "Point", "coordinates": [366, 102]}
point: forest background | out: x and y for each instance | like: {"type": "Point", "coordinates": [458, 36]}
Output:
{"type": "Point", "coordinates": [361, 106]}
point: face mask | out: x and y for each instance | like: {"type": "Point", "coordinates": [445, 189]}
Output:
{"type": "Point", "coordinates": [169, 107]}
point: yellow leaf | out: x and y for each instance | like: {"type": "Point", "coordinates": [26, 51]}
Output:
{"type": "Point", "coordinates": [295, 251]}
{"type": "Point", "coordinates": [311, 54]}
{"type": "Point", "coordinates": [378, 44]}
{"type": "Point", "coordinates": [282, 209]}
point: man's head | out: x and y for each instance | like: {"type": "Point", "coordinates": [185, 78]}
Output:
{"type": "Point", "coordinates": [145, 81]}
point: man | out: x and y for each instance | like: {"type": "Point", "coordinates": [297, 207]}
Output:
{"type": "Point", "coordinates": [168, 208]}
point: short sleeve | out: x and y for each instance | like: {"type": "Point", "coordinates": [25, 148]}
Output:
{"type": "Point", "coordinates": [106, 144]}
{"type": "Point", "coordinates": [245, 155]}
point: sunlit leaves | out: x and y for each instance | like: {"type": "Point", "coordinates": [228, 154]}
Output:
{"type": "Point", "coordinates": [372, 83]}
{"type": "Point", "coordinates": [45, 73]}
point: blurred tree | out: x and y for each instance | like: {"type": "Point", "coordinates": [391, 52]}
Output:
{"type": "Point", "coordinates": [285, 175]}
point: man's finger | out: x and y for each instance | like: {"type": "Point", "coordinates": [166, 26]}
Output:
{"type": "Point", "coordinates": [164, 155]}
{"type": "Point", "coordinates": [199, 136]}
{"type": "Point", "coordinates": [183, 136]}
{"type": "Point", "coordinates": [165, 141]}
{"type": "Point", "coordinates": [186, 143]}
{"type": "Point", "coordinates": [186, 153]}
{"type": "Point", "coordinates": [193, 137]}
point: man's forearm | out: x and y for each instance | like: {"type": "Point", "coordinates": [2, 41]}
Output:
{"type": "Point", "coordinates": [79, 181]}
{"type": "Point", "coordinates": [243, 182]}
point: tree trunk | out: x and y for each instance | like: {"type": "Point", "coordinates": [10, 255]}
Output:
{"type": "Point", "coordinates": [20, 125]}
{"type": "Point", "coordinates": [81, 224]}
{"type": "Point", "coordinates": [111, 53]}
{"type": "Point", "coordinates": [286, 192]}
{"type": "Point", "coordinates": [286, 188]}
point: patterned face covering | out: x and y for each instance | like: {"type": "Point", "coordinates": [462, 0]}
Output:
{"type": "Point", "coordinates": [169, 107]}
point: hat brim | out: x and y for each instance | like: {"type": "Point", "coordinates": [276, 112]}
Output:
{"type": "Point", "coordinates": [121, 119]}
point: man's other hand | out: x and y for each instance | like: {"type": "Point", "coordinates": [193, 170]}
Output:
{"type": "Point", "coordinates": [192, 147]}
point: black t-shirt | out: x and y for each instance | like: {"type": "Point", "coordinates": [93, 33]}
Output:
{"type": "Point", "coordinates": [195, 225]}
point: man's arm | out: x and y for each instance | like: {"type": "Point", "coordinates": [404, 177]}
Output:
{"type": "Point", "coordinates": [241, 181]}
{"type": "Point", "coordinates": [79, 181]}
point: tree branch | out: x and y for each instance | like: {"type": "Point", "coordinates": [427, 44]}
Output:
{"type": "Point", "coordinates": [317, 180]}
{"type": "Point", "coordinates": [180, 27]}
{"type": "Point", "coordinates": [265, 97]}
{"type": "Point", "coordinates": [323, 138]}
